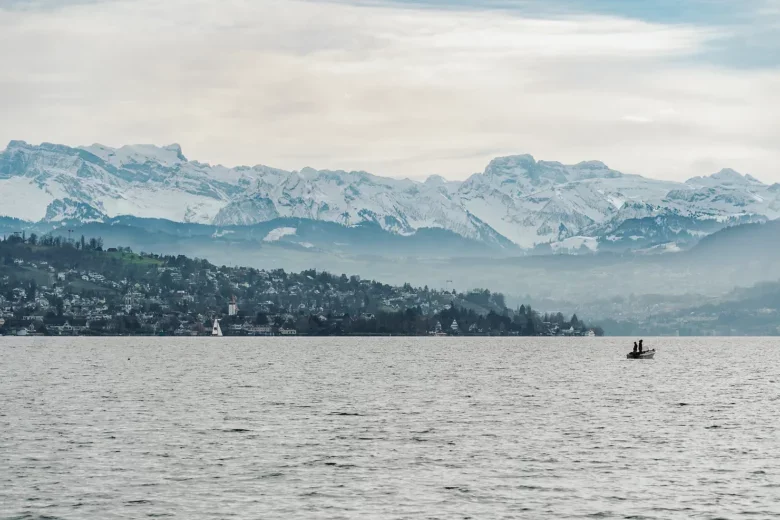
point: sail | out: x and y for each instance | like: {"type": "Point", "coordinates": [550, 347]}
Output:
{"type": "Point", "coordinates": [216, 330]}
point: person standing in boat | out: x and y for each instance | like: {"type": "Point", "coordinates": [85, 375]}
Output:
{"type": "Point", "coordinates": [640, 345]}
{"type": "Point", "coordinates": [636, 349]}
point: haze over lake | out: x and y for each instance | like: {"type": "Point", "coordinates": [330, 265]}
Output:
{"type": "Point", "coordinates": [205, 428]}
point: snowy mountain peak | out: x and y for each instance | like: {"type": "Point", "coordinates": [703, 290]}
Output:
{"type": "Point", "coordinates": [436, 180]}
{"type": "Point", "coordinates": [14, 144]}
{"type": "Point", "coordinates": [526, 174]}
{"type": "Point", "coordinates": [175, 147]}
{"type": "Point", "coordinates": [510, 165]}
{"type": "Point", "coordinates": [308, 173]}
{"type": "Point", "coordinates": [727, 173]}
{"type": "Point", "coordinates": [25, 147]}
{"type": "Point", "coordinates": [591, 165]}
{"type": "Point", "coordinates": [725, 177]}
{"type": "Point", "coordinates": [341, 177]}
{"type": "Point", "coordinates": [134, 154]}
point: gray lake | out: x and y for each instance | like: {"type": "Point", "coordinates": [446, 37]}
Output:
{"type": "Point", "coordinates": [481, 428]}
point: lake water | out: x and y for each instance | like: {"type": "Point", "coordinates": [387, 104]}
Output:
{"type": "Point", "coordinates": [363, 428]}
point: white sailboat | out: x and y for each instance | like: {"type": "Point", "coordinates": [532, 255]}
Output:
{"type": "Point", "coordinates": [216, 330]}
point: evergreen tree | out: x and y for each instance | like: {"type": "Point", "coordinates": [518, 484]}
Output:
{"type": "Point", "coordinates": [32, 289]}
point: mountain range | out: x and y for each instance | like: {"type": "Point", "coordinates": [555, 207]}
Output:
{"type": "Point", "coordinates": [517, 203]}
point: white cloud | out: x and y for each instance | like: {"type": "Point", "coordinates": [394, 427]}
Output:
{"type": "Point", "coordinates": [637, 119]}
{"type": "Point", "coordinates": [395, 91]}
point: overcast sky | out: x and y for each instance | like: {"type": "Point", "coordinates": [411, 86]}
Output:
{"type": "Point", "coordinates": [663, 88]}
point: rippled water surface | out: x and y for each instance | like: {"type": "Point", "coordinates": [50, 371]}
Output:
{"type": "Point", "coordinates": [388, 428]}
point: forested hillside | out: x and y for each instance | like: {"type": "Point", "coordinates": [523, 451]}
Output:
{"type": "Point", "coordinates": [47, 283]}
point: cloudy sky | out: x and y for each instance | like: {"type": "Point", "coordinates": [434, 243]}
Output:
{"type": "Point", "coordinates": [664, 88]}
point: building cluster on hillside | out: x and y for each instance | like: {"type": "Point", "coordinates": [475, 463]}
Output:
{"type": "Point", "coordinates": [69, 290]}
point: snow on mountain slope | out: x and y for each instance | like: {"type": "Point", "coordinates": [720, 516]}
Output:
{"type": "Point", "coordinates": [69, 210]}
{"type": "Point", "coordinates": [726, 177]}
{"type": "Point", "coordinates": [533, 202]}
{"type": "Point", "coordinates": [23, 198]}
{"type": "Point", "coordinates": [275, 234]}
{"type": "Point", "coordinates": [400, 206]}
{"type": "Point", "coordinates": [143, 181]}
{"type": "Point", "coordinates": [168, 203]}
{"type": "Point", "coordinates": [168, 156]}
{"type": "Point", "coordinates": [725, 194]}
{"type": "Point", "coordinates": [516, 200]}
{"type": "Point", "coordinates": [575, 244]}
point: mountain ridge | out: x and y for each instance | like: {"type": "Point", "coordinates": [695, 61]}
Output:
{"type": "Point", "coordinates": [515, 201]}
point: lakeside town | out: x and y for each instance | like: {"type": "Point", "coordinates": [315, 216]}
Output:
{"type": "Point", "coordinates": [54, 286]}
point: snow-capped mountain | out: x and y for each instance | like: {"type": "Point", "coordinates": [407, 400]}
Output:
{"type": "Point", "coordinates": [516, 200]}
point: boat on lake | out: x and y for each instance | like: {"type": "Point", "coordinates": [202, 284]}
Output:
{"type": "Point", "coordinates": [645, 354]}
{"type": "Point", "coordinates": [216, 330]}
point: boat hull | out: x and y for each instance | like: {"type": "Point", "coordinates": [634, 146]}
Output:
{"type": "Point", "coordinates": [648, 354]}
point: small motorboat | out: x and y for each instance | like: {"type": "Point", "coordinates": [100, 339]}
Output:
{"type": "Point", "coordinates": [645, 354]}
